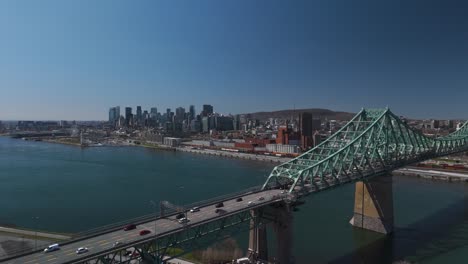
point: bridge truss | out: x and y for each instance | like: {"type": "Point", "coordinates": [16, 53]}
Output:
{"type": "Point", "coordinates": [374, 142]}
{"type": "Point", "coordinates": [160, 248]}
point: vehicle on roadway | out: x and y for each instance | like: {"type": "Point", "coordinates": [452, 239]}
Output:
{"type": "Point", "coordinates": [261, 198]}
{"type": "Point", "coordinates": [81, 250]}
{"type": "Point", "coordinates": [239, 199]}
{"type": "Point", "coordinates": [184, 220]}
{"type": "Point", "coordinates": [144, 232]}
{"type": "Point", "coordinates": [220, 211]}
{"type": "Point", "coordinates": [218, 205]}
{"type": "Point", "coordinates": [129, 227]}
{"type": "Point", "coordinates": [51, 248]}
{"type": "Point", "coordinates": [251, 203]}
{"type": "Point", "coordinates": [195, 209]}
{"type": "Point", "coordinates": [180, 216]}
{"type": "Point", "coordinates": [116, 243]}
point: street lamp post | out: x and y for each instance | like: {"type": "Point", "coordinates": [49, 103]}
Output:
{"type": "Point", "coordinates": [35, 218]}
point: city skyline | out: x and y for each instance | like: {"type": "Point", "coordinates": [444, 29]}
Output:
{"type": "Point", "coordinates": [73, 60]}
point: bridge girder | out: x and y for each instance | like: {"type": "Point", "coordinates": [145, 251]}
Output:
{"type": "Point", "coordinates": [373, 142]}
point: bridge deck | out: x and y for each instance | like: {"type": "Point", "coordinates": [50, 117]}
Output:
{"type": "Point", "coordinates": [162, 226]}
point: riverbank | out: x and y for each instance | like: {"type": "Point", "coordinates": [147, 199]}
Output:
{"type": "Point", "coordinates": [238, 155]}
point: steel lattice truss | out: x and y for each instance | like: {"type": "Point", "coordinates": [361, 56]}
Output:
{"type": "Point", "coordinates": [375, 141]}
{"type": "Point", "coordinates": [153, 249]}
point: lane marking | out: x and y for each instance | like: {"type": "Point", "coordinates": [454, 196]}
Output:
{"type": "Point", "coordinates": [71, 253]}
{"type": "Point", "coordinates": [30, 261]}
{"type": "Point", "coordinates": [51, 259]}
{"type": "Point", "coordinates": [103, 244]}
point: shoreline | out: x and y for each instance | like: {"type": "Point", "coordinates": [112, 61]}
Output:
{"type": "Point", "coordinates": [236, 155]}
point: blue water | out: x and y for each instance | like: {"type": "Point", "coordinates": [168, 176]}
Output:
{"type": "Point", "coordinates": [72, 189]}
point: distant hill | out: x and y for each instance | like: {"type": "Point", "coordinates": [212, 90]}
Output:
{"type": "Point", "coordinates": [316, 113]}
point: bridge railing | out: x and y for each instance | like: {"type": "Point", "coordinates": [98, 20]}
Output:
{"type": "Point", "coordinates": [137, 220]}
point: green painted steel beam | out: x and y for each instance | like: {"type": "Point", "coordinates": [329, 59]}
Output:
{"type": "Point", "coordinates": [373, 142]}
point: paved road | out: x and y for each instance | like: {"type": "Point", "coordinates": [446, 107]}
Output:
{"type": "Point", "coordinates": [105, 241]}
{"type": "Point", "coordinates": [434, 172]}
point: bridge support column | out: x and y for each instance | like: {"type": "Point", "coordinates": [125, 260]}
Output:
{"type": "Point", "coordinates": [258, 244]}
{"type": "Point", "coordinates": [373, 205]}
{"type": "Point", "coordinates": [284, 234]}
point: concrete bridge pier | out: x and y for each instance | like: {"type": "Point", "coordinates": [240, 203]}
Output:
{"type": "Point", "coordinates": [281, 220]}
{"type": "Point", "coordinates": [284, 234]}
{"type": "Point", "coordinates": [373, 204]}
{"type": "Point", "coordinates": [258, 244]}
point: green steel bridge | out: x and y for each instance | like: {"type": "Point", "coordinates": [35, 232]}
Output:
{"type": "Point", "coordinates": [373, 143]}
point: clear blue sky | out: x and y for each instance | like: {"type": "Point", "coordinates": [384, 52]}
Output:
{"type": "Point", "coordinates": [75, 59]}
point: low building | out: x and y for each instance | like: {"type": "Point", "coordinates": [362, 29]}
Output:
{"type": "Point", "coordinates": [172, 142]}
{"type": "Point", "coordinates": [281, 148]}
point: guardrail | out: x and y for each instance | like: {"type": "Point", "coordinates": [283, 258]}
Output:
{"type": "Point", "coordinates": [137, 220]}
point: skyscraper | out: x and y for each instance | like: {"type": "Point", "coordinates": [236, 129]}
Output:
{"type": "Point", "coordinates": [139, 115]}
{"type": "Point", "coordinates": [192, 112]}
{"type": "Point", "coordinates": [153, 113]}
{"type": "Point", "coordinates": [305, 129]}
{"type": "Point", "coordinates": [128, 115]}
{"type": "Point", "coordinates": [207, 110]}
{"type": "Point", "coordinates": [114, 114]}
{"type": "Point", "coordinates": [180, 114]}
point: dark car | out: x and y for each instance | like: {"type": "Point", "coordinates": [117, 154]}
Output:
{"type": "Point", "coordinates": [180, 216]}
{"type": "Point", "coordinates": [239, 199]}
{"type": "Point", "coordinates": [129, 227]}
{"type": "Point", "coordinates": [219, 205]}
{"type": "Point", "coordinates": [144, 232]}
{"type": "Point", "coordinates": [220, 211]}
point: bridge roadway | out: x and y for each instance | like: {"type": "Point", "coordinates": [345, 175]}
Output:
{"type": "Point", "coordinates": [101, 245]}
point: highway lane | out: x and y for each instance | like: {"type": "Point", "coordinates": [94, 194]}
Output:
{"type": "Point", "coordinates": [170, 224]}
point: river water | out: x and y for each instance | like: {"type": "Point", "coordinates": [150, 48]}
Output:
{"type": "Point", "coordinates": [72, 189]}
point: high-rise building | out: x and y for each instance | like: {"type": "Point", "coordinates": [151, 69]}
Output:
{"type": "Point", "coordinates": [139, 116]}
{"type": "Point", "coordinates": [305, 129]}
{"type": "Point", "coordinates": [180, 114]}
{"type": "Point", "coordinates": [128, 115]}
{"type": "Point", "coordinates": [192, 112]}
{"type": "Point", "coordinates": [223, 123]}
{"type": "Point", "coordinates": [207, 110]}
{"type": "Point", "coordinates": [153, 113]}
{"type": "Point", "coordinates": [168, 115]}
{"type": "Point", "coordinates": [114, 114]}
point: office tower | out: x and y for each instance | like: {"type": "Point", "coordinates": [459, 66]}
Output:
{"type": "Point", "coordinates": [305, 130]}
{"type": "Point", "coordinates": [114, 114]}
{"type": "Point", "coordinates": [192, 112]}
{"type": "Point", "coordinates": [139, 116]}
{"type": "Point", "coordinates": [153, 113]}
{"type": "Point", "coordinates": [207, 110]}
{"type": "Point", "coordinates": [128, 115]}
{"type": "Point", "coordinates": [180, 114]}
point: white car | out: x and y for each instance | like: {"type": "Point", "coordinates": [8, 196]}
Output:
{"type": "Point", "coordinates": [195, 209]}
{"type": "Point", "coordinates": [184, 220]}
{"type": "Point", "coordinates": [51, 248]}
{"type": "Point", "coordinates": [81, 250]}
{"type": "Point", "coordinates": [251, 203]}
{"type": "Point", "coordinates": [116, 244]}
